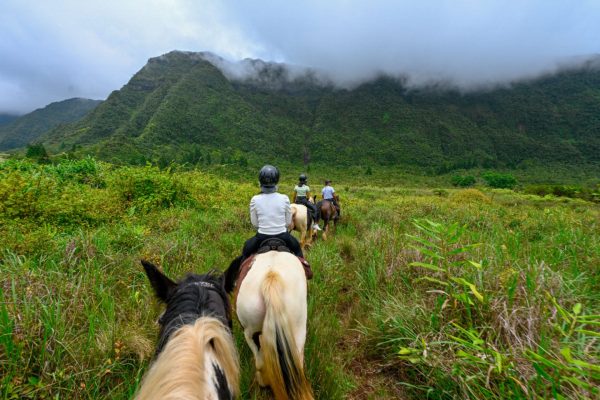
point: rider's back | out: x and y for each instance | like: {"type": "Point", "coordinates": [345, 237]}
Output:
{"type": "Point", "coordinates": [270, 213]}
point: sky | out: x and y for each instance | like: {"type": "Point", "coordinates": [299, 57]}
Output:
{"type": "Point", "coordinates": [52, 50]}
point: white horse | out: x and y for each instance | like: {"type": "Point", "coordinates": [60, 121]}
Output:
{"type": "Point", "coordinates": [300, 224]}
{"type": "Point", "coordinates": [271, 307]}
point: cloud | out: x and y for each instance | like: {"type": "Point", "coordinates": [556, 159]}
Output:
{"type": "Point", "coordinates": [468, 42]}
{"type": "Point", "coordinates": [54, 50]}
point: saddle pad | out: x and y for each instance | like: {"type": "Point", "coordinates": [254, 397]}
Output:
{"type": "Point", "coordinates": [245, 268]}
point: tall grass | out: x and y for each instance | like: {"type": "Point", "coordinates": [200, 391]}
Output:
{"type": "Point", "coordinates": [472, 295]}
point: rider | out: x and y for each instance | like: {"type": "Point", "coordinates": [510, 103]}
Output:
{"type": "Point", "coordinates": [328, 193]}
{"type": "Point", "coordinates": [301, 196]}
{"type": "Point", "coordinates": [271, 214]}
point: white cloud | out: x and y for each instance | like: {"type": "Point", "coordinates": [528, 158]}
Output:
{"type": "Point", "coordinates": [51, 50]}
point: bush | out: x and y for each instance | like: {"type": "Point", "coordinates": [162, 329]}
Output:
{"type": "Point", "coordinates": [573, 192]}
{"type": "Point", "coordinates": [37, 152]}
{"type": "Point", "coordinates": [469, 196]}
{"type": "Point", "coordinates": [148, 188]}
{"type": "Point", "coordinates": [499, 181]}
{"type": "Point", "coordinates": [463, 181]}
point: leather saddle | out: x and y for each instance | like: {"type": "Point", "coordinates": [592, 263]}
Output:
{"type": "Point", "coordinates": [273, 244]}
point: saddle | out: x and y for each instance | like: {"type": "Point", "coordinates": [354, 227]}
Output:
{"type": "Point", "coordinates": [272, 244]}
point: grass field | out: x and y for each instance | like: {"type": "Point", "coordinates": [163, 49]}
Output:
{"type": "Point", "coordinates": [420, 293]}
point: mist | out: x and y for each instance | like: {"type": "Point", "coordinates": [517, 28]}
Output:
{"type": "Point", "coordinates": [50, 52]}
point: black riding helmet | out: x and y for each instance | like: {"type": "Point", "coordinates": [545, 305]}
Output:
{"type": "Point", "coordinates": [268, 178]}
{"type": "Point", "coordinates": [303, 178]}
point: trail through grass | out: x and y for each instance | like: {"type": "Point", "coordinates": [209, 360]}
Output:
{"type": "Point", "coordinates": [472, 295]}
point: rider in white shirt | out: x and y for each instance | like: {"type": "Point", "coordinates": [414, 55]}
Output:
{"type": "Point", "coordinates": [270, 214]}
{"type": "Point", "coordinates": [328, 193]}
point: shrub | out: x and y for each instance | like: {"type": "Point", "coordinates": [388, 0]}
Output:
{"type": "Point", "coordinates": [574, 192]}
{"type": "Point", "coordinates": [37, 152]}
{"type": "Point", "coordinates": [463, 181]}
{"type": "Point", "coordinates": [469, 196]}
{"type": "Point", "coordinates": [148, 188]}
{"type": "Point", "coordinates": [499, 181]}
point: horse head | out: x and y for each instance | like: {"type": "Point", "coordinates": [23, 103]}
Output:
{"type": "Point", "coordinates": [195, 353]}
{"type": "Point", "coordinates": [187, 300]}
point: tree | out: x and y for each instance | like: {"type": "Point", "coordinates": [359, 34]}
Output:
{"type": "Point", "coordinates": [37, 151]}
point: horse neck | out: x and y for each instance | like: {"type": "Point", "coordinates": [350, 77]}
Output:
{"type": "Point", "coordinates": [184, 367]}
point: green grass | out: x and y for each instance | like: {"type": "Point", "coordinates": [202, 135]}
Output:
{"type": "Point", "coordinates": [392, 313]}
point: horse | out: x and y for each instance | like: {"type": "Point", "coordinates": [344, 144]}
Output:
{"type": "Point", "coordinates": [195, 357]}
{"type": "Point", "coordinates": [301, 222]}
{"type": "Point", "coordinates": [327, 212]}
{"type": "Point", "coordinates": [271, 308]}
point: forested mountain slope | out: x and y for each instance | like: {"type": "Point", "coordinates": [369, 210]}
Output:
{"type": "Point", "coordinates": [29, 127]}
{"type": "Point", "coordinates": [182, 107]}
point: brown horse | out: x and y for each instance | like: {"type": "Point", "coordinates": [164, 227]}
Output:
{"type": "Point", "coordinates": [327, 212]}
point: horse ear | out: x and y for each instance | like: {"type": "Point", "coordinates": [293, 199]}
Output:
{"type": "Point", "coordinates": [159, 281]}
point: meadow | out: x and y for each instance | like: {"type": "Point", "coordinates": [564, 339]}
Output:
{"type": "Point", "coordinates": [422, 292]}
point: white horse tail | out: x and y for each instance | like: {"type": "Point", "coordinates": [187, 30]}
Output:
{"type": "Point", "coordinates": [282, 364]}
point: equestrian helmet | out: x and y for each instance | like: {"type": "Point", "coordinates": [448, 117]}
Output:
{"type": "Point", "coordinates": [268, 178]}
{"type": "Point", "coordinates": [302, 178]}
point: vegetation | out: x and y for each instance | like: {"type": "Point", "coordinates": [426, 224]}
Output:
{"type": "Point", "coordinates": [473, 294]}
{"type": "Point", "coordinates": [463, 181]}
{"type": "Point", "coordinates": [499, 181]}
{"type": "Point", "coordinates": [180, 108]}
{"type": "Point", "coordinates": [18, 132]}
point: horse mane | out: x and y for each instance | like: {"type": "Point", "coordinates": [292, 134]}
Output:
{"type": "Point", "coordinates": [177, 372]}
{"type": "Point", "coordinates": [183, 306]}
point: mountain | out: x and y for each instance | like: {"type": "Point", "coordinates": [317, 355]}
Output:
{"type": "Point", "coordinates": [7, 118]}
{"type": "Point", "coordinates": [29, 127]}
{"type": "Point", "coordinates": [191, 107]}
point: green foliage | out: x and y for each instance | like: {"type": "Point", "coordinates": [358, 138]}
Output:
{"type": "Point", "coordinates": [148, 188]}
{"type": "Point", "coordinates": [30, 127]}
{"type": "Point", "coordinates": [37, 152]}
{"type": "Point", "coordinates": [181, 108]}
{"type": "Point", "coordinates": [574, 192]}
{"type": "Point", "coordinates": [463, 180]}
{"type": "Point", "coordinates": [473, 295]}
{"type": "Point", "coordinates": [499, 181]}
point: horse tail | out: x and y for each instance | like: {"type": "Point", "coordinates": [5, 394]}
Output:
{"type": "Point", "coordinates": [282, 363]}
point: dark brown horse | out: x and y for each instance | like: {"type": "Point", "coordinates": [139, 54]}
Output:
{"type": "Point", "coordinates": [327, 212]}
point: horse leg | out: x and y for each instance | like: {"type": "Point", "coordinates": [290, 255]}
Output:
{"type": "Point", "coordinates": [258, 358]}
{"type": "Point", "coordinates": [302, 238]}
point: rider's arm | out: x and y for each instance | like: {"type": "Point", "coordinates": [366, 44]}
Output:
{"type": "Point", "coordinates": [288, 212]}
{"type": "Point", "coordinates": [253, 213]}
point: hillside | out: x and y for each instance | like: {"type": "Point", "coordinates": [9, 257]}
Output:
{"type": "Point", "coordinates": [29, 127]}
{"type": "Point", "coordinates": [182, 107]}
{"type": "Point", "coordinates": [7, 118]}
